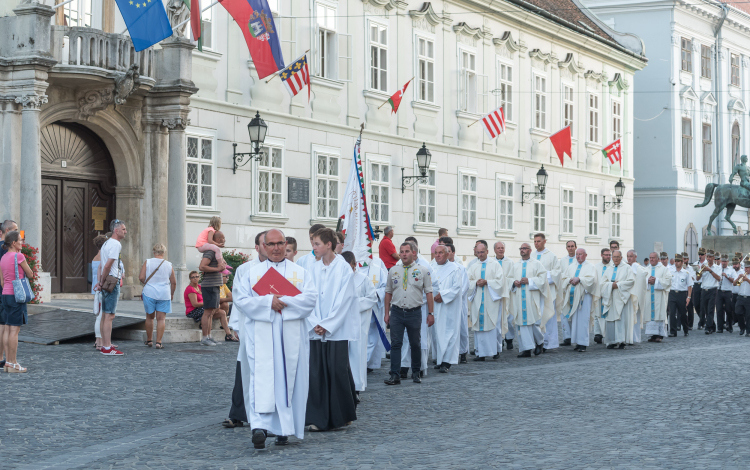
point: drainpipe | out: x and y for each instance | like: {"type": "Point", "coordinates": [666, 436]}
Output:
{"type": "Point", "coordinates": [717, 84]}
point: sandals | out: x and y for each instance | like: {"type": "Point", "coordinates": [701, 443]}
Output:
{"type": "Point", "coordinates": [148, 343]}
{"type": "Point", "coordinates": [159, 346]}
{"type": "Point", "coordinates": [15, 368]}
{"type": "Point", "coordinates": [231, 338]}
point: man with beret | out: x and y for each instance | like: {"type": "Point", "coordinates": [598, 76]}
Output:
{"type": "Point", "coordinates": [690, 311]}
{"type": "Point", "coordinates": [679, 296]}
{"type": "Point", "coordinates": [697, 290]}
{"type": "Point", "coordinates": [742, 308]}
{"type": "Point", "coordinates": [709, 286]}
{"type": "Point", "coordinates": [735, 291]}
{"type": "Point", "coordinates": [664, 259]}
{"type": "Point", "coordinates": [724, 296]}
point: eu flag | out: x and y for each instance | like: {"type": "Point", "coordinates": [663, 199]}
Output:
{"type": "Point", "coordinates": [147, 21]}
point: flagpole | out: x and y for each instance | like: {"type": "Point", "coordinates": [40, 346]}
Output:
{"type": "Point", "coordinates": [61, 4]}
{"type": "Point", "coordinates": [412, 78]}
{"type": "Point", "coordinates": [216, 2]}
{"type": "Point", "coordinates": [295, 60]}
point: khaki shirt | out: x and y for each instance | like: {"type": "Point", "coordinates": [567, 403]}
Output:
{"type": "Point", "coordinates": [418, 281]}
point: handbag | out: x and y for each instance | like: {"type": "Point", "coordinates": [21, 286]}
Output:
{"type": "Point", "coordinates": [110, 282]}
{"type": "Point", "coordinates": [152, 274]}
{"type": "Point", "coordinates": [21, 287]}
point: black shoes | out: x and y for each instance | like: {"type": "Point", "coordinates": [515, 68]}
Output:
{"type": "Point", "coordinates": [282, 441]}
{"type": "Point", "coordinates": [496, 356]}
{"type": "Point", "coordinates": [404, 372]}
{"type": "Point", "coordinates": [443, 369]}
{"type": "Point", "coordinates": [473, 353]}
{"type": "Point", "coordinates": [526, 353]}
{"type": "Point", "coordinates": [259, 438]}
{"type": "Point", "coordinates": [700, 327]}
{"type": "Point", "coordinates": [611, 346]}
{"type": "Point", "coordinates": [567, 342]}
{"type": "Point", "coordinates": [415, 377]}
{"type": "Point", "coordinates": [232, 423]}
{"type": "Point", "coordinates": [672, 335]}
{"type": "Point", "coordinates": [598, 339]}
{"type": "Point", "coordinates": [580, 348]}
{"type": "Point", "coordinates": [687, 334]}
{"type": "Point", "coordinates": [509, 344]}
{"type": "Point", "coordinates": [434, 361]}
{"type": "Point", "coordinates": [622, 346]}
{"type": "Point", "coordinates": [463, 360]}
{"type": "Point", "coordinates": [742, 332]}
{"type": "Point", "coordinates": [720, 331]}
{"type": "Point", "coordinates": [438, 366]}
{"type": "Point", "coordinates": [478, 359]}
{"type": "Point", "coordinates": [369, 371]}
{"type": "Point", "coordinates": [538, 349]}
{"type": "Point", "coordinates": [394, 379]}
{"type": "Point", "coordinates": [708, 332]}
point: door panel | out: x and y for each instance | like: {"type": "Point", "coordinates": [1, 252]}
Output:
{"type": "Point", "coordinates": [51, 231]}
{"type": "Point", "coordinates": [74, 213]}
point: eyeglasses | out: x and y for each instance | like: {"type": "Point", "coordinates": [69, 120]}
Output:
{"type": "Point", "coordinates": [275, 245]}
{"type": "Point", "coordinates": [195, 277]}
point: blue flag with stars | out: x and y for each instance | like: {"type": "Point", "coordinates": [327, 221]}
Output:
{"type": "Point", "coordinates": [147, 22]}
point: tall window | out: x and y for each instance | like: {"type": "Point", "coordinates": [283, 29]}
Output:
{"type": "Point", "coordinates": [427, 193]}
{"type": "Point", "coordinates": [505, 85]}
{"type": "Point", "coordinates": [735, 143]}
{"type": "Point", "coordinates": [328, 186]}
{"type": "Point", "coordinates": [687, 143]}
{"type": "Point", "coordinates": [269, 181]}
{"type": "Point", "coordinates": [539, 214]}
{"type": "Point", "coordinates": [425, 70]}
{"type": "Point", "coordinates": [468, 82]}
{"type": "Point", "coordinates": [200, 171]}
{"type": "Point", "coordinates": [540, 102]}
{"type": "Point", "coordinates": [707, 149]}
{"type": "Point", "coordinates": [505, 205]}
{"type": "Point", "coordinates": [593, 117]}
{"type": "Point", "coordinates": [379, 192]}
{"type": "Point", "coordinates": [687, 55]}
{"type": "Point", "coordinates": [78, 13]}
{"type": "Point", "coordinates": [705, 61]}
{"type": "Point", "coordinates": [207, 29]}
{"type": "Point", "coordinates": [326, 40]}
{"type": "Point", "coordinates": [568, 107]}
{"type": "Point", "coordinates": [378, 57]}
{"type": "Point", "coordinates": [736, 69]}
{"type": "Point", "coordinates": [567, 210]}
{"type": "Point", "coordinates": [593, 210]}
{"type": "Point", "coordinates": [616, 120]}
{"type": "Point", "coordinates": [468, 200]}
{"type": "Point", "coordinates": [614, 227]}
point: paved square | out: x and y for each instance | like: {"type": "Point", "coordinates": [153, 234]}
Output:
{"type": "Point", "coordinates": [680, 404]}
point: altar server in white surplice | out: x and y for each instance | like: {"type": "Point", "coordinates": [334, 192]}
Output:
{"type": "Point", "coordinates": [508, 327]}
{"type": "Point", "coordinates": [274, 345]}
{"type": "Point", "coordinates": [486, 292]}
{"type": "Point", "coordinates": [638, 293]}
{"type": "Point", "coordinates": [368, 298]}
{"type": "Point", "coordinates": [600, 323]}
{"type": "Point", "coordinates": [616, 289]}
{"type": "Point", "coordinates": [446, 293]}
{"type": "Point", "coordinates": [656, 298]}
{"type": "Point", "coordinates": [552, 265]}
{"type": "Point", "coordinates": [570, 246]}
{"type": "Point", "coordinates": [378, 275]}
{"type": "Point", "coordinates": [579, 287]}
{"type": "Point", "coordinates": [531, 302]}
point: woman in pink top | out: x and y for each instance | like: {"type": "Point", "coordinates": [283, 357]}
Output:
{"type": "Point", "coordinates": [13, 314]}
{"type": "Point", "coordinates": [194, 297]}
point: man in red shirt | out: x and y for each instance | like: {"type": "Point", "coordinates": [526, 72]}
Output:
{"type": "Point", "coordinates": [387, 250]}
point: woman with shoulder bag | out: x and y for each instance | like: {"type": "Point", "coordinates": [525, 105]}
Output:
{"type": "Point", "coordinates": [14, 313]}
{"type": "Point", "coordinates": [159, 284]}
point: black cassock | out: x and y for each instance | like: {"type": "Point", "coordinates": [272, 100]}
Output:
{"type": "Point", "coordinates": [331, 398]}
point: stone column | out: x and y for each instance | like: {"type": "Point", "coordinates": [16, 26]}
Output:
{"type": "Point", "coordinates": [177, 199]}
{"type": "Point", "coordinates": [31, 170]}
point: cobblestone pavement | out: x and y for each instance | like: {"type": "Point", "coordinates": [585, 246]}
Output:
{"type": "Point", "coordinates": [679, 404]}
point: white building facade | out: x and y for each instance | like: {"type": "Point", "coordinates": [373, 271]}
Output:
{"type": "Point", "coordinates": [691, 117]}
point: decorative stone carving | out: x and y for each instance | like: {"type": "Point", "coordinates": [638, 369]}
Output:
{"type": "Point", "coordinates": [468, 35]}
{"type": "Point", "coordinates": [92, 101]}
{"type": "Point", "coordinates": [595, 78]}
{"type": "Point", "coordinates": [32, 101]}
{"type": "Point", "coordinates": [178, 123]}
{"type": "Point", "coordinates": [505, 46]}
{"type": "Point", "coordinates": [126, 83]}
{"type": "Point", "coordinates": [374, 9]}
{"type": "Point", "coordinates": [178, 12]}
{"type": "Point", "coordinates": [569, 67]}
{"type": "Point", "coordinates": [426, 19]}
{"type": "Point", "coordinates": [618, 84]}
{"type": "Point", "coordinates": [387, 4]}
{"type": "Point", "coordinates": [540, 59]}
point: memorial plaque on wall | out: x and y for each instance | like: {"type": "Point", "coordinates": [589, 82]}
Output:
{"type": "Point", "coordinates": [299, 190]}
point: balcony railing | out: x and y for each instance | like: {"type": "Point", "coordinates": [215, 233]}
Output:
{"type": "Point", "coordinates": [89, 47]}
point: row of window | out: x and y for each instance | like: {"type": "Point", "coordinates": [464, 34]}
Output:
{"type": "Point", "coordinates": [686, 46]}
{"type": "Point", "coordinates": [706, 145]}
{"type": "Point", "coordinates": [269, 174]}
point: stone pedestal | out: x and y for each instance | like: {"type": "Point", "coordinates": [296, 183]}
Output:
{"type": "Point", "coordinates": [726, 244]}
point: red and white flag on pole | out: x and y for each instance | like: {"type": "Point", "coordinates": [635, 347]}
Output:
{"type": "Point", "coordinates": [494, 123]}
{"type": "Point", "coordinates": [613, 152]}
{"type": "Point", "coordinates": [562, 142]}
{"type": "Point", "coordinates": [296, 76]}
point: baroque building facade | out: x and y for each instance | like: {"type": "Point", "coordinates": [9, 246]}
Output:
{"type": "Point", "coordinates": [160, 156]}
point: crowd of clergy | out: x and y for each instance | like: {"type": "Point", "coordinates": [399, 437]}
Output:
{"type": "Point", "coordinates": [304, 360]}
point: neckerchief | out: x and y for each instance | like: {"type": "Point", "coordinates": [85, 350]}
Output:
{"type": "Point", "coordinates": [406, 276]}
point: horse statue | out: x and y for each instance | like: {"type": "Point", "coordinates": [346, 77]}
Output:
{"type": "Point", "coordinates": [729, 196]}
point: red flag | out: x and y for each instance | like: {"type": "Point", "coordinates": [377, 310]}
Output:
{"type": "Point", "coordinates": [613, 152]}
{"type": "Point", "coordinates": [395, 100]}
{"type": "Point", "coordinates": [494, 123]}
{"type": "Point", "coordinates": [195, 18]}
{"type": "Point", "coordinates": [563, 143]}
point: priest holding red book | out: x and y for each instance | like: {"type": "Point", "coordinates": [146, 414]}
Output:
{"type": "Point", "coordinates": [273, 300]}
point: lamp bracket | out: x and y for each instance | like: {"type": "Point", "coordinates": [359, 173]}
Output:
{"type": "Point", "coordinates": [237, 158]}
{"type": "Point", "coordinates": [529, 196]}
{"type": "Point", "coordinates": [412, 180]}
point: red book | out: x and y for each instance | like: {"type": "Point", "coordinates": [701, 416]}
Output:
{"type": "Point", "coordinates": [274, 283]}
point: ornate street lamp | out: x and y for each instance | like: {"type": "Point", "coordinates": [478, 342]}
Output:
{"type": "Point", "coordinates": [257, 129]}
{"type": "Point", "coordinates": [541, 182]}
{"type": "Point", "coordinates": [423, 162]}
{"type": "Point", "coordinates": [619, 193]}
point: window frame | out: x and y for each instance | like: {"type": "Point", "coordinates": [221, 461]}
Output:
{"type": "Point", "coordinates": [464, 91]}
{"type": "Point", "coordinates": [686, 54]}
{"type": "Point", "coordinates": [420, 36]}
{"type": "Point", "coordinates": [470, 173]}
{"type": "Point", "coordinates": [616, 105]}
{"type": "Point", "coordinates": [418, 187]}
{"type": "Point", "coordinates": [592, 210]}
{"type": "Point", "coordinates": [734, 70]}
{"type": "Point", "coordinates": [686, 141]}
{"type": "Point", "coordinates": [316, 151]}
{"type": "Point", "coordinates": [707, 142]}
{"type": "Point", "coordinates": [501, 84]}
{"type": "Point", "coordinates": [210, 47]}
{"type": "Point", "coordinates": [270, 143]}
{"type": "Point", "coordinates": [616, 211]}
{"type": "Point", "coordinates": [384, 86]}
{"type": "Point", "coordinates": [570, 206]}
{"type": "Point", "coordinates": [568, 104]}
{"type": "Point", "coordinates": [538, 202]}
{"type": "Point", "coordinates": [509, 180]}
{"type": "Point", "coordinates": [594, 117]}
{"type": "Point", "coordinates": [537, 97]}
{"type": "Point", "coordinates": [321, 67]}
{"type": "Point", "coordinates": [76, 6]}
{"type": "Point", "coordinates": [201, 135]}
{"type": "Point", "coordinates": [370, 159]}
{"type": "Point", "coordinates": [706, 62]}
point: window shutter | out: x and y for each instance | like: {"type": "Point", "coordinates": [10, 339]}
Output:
{"type": "Point", "coordinates": [345, 57]}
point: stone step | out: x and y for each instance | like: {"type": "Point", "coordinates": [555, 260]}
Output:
{"type": "Point", "coordinates": [175, 324]}
{"type": "Point", "coordinates": [81, 296]}
{"type": "Point", "coordinates": [170, 336]}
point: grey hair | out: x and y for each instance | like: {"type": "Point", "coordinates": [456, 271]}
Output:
{"type": "Point", "coordinates": [441, 246]}
{"type": "Point", "coordinates": [7, 224]}
{"type": "Point", "coordinates": [617, 251]}
{"type": "Point", "coordinates": [582, 249]}
{"type": "Point", "coordinates": [633, 251]}
{"type": "Point", "coordinates": [116, 223]}
{"type": "Point", "coordinates": [499, 241]}
{"type": "Point", "coordinates": [412, 245]}
{"type": "Point", "coordinates": [387, 230]}
{"type": "Point", "coordinates": [653, 253]}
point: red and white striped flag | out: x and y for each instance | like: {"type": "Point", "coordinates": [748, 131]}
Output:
{"type": "Point", "coordinates": [494, 123]}
{"type": "Point", "coordinates": [296, 76]}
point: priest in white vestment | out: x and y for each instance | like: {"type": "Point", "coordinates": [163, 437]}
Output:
{"type": "Point", "coordinates": [463, 348]}
{"type": "Point", "coordinates": [274, 345]}
{"type": "Point", "coordinates": [368, 298]}
{"type": "Point", "coordinates": [531, 302]}
{"type": "Point", "coordinates": [552, 264]}
{"type": "Point", "coordinates": [570, 246]}
{"type": "Point", "coordinates": [331, 402]}
{"type": "Point", "coordinates": [656, 298]}
{"type": "Point", "coordinates": [638, 292]}
{"type": "Point", "coordinates": [599, 322]}
{"type": "Point", "coordinates": [507, 265]}
{"type": "Point", "coordinates": [579, 287]}
{"type": "Point", "coordinates": [446, 294]}
{"type": "Point", "coordinates": [486, 292]}
{"type": "Point", "coordinates": [378, 275]}
{"type": "Point", "coordinates": [616, 289]}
